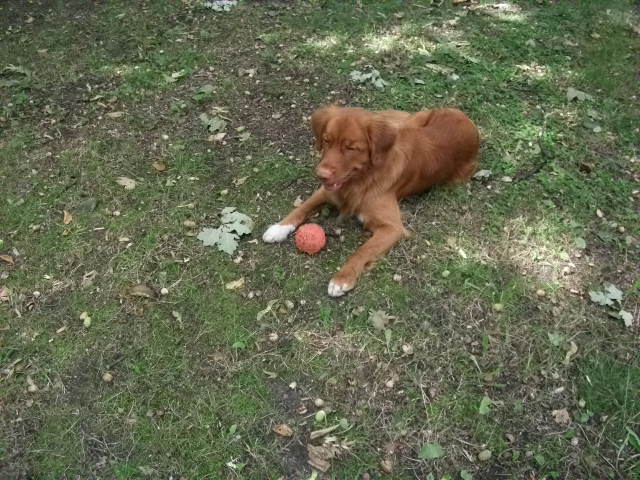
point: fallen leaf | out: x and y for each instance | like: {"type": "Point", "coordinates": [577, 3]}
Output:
{"type": "Point", "coordinates": [141, 290]}
{"type": "Point", "coordinates": [614, 293]}
{"type": "Point", "coordinates": [573, 349]}
{"type": "Point", "coordinates": [298, 201]}
{"type": "Point", "coordinates": [379, 319]}
{"type": "Point", "coordinates": [484, 455]}
{"type": "Point", "coordinates": [610, 294]}
{"type": "Point", "coordinates": [226, 241]}
{"type": "Point", "coordinates": [430, 451]}
{"type": "Point", "coordinates": [325, 431]}
{"type": "Point", "coordinates": [482, 174]}
{"type": "Point", "coordinates": [67, 217]}
{"type": "Point", "coordinates": [249, 72]}
{"type": "Point", "coordinates": [556, 339]}
{"type": "Point", "coordinates": [175, 76]}
{"type": "Point", "coordinates": [573, 94]}
{"type": "Point", "coordinates": [600, 298]}
{"type": "Point", "coordinates": [283, 430]}
{"type": "Point", "coordinates": [218, 137]}
{"type": "Point", "coordinates": [31, 386]}
{"type": "Point", "coordinates": [439, 68]}
{"type": "Point", "coordinates": [626, 317]}
{"type": "Point", "coordinates": [88, 278]}
{"type": "Point", "coordinates": [214, 123]}
{"type": "Point", "coordinates": [268, 309]}
{"type": "Point", "coordinates": [146, 471]}
{"type": "Point", "coordinates": [235, 284]}
{"type": "Point", "coordinates": [159, 166]}
{"type": "Point", "coordinates": [7, 258]}
{"type": "Point", "coordinates": [127, 183]}
{"type": "Point", "coordinates": [4, 294]}
{"type": "Point", "coordinates": [633, 439]}
{"type": "Point", "coordinates": [203, 92]}
{"type": "Point", "coordinates": [485, 406]}
{"type": "Point", "coordinates": [178, 316]}
{"type": "Point", "coordinates": [320, 457]}
{"type": "Point", "coordinates": [115, 114]}
{"type": "Point", "coordinates": [386, 464]}
{"type": "Point", "coordinates": [586, 167]}
{"type": "Point", "coordinates": [580, 243]}
{"type": "Point", "coordinates": [240, 181]}
{"type": "Point", "coordinates": [224, 236]}
{"type": "Point", "coordinates": [465, 475]}
{"type": "Point", "coordinates": [236, 221]}
{"type": "Point", "coordinates": [561, 416]}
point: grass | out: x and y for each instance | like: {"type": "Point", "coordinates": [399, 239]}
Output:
{"type": "Point", "coordinates": [489, 295]}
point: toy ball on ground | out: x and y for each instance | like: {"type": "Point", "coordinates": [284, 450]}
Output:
{"type": "Point", "coordinates": [310, 238]}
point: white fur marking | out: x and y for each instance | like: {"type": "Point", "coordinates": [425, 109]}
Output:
{"type": "Point", "coordinates": [277, 233]}
{"type": "Point", "coordinates": [337, 290]}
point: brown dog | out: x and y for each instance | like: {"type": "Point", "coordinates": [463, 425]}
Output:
{"type": "Point", "coordinates": [370, 160]}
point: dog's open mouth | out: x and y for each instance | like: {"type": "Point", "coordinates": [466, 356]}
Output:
{"type": "Point", "coordinates": [332, 186]}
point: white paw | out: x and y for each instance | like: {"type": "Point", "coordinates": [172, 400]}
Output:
{"type": "Point", "coordinates": [277, 233]}
{"type": "Point", "coordinates": [338, 289]}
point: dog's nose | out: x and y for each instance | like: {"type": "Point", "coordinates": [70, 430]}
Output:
{"type": "Point", "coordinates": [324, 173]}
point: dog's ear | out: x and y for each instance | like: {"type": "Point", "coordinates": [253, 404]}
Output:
{"type": "Point", "coordinates": [382, 136]}
{"type": "Point", "coordinates": [319, 120]}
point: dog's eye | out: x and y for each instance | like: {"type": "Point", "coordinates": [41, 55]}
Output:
{"type": "Point", "coordinates": [351, 147]}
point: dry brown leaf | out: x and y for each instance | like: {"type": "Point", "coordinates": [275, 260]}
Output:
{"type": "Point", "coordinates": [218, 137]}
{"type": "Point", "coordinates": [4, 294]}
{"type": "Point", "coordinates": [127, 183]}
{"type": "Point", "coordinates": [7, 258]}
{"type": "Point", "coordinates": [141, 290]}
{"type": "Point", "coordinates": [325, 431]}
{"type": "Point", "coordinates": [573, 349]}
{"type": "Point", "coordinates": [239, 181]}
{"type": "Point", "coordinates": [115, 114]}
{"type": "Point", "coordinates": [67, 217]}
{"type": "Point", "coordinates": [235, 284]}
{"type": "Point", "coordinates": [320, 457]}
{"type": "Point", "coordinates": [159, 166]}
{"type": "Point", "coordinates": [88, 278]}
{"type": "Point", "coordinates": [561, 416]}
{"type": "Point", "coordinates": [386, 464]}
{"type": "Point", "coordinates": [283, 430]}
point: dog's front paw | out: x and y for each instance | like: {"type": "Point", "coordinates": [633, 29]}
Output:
{"type": "Point", "coordinates": [277, 233]}
{"type": "Point", "coordinates": [340, 284]}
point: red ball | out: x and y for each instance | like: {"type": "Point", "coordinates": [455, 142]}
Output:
{"type": "Point", "coordinates": [310, 238]}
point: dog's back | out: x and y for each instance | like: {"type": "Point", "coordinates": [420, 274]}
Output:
{"type": "Point", "coordinates": [441, 146]}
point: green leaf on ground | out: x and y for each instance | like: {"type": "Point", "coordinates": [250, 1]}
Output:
{"type": "Point", "coordinates": [430, 451]}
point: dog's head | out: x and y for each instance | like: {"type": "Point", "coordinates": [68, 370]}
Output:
{"type": "Point", "coordinates": [351, 141]}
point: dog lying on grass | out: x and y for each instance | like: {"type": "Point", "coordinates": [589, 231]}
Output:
{"type": "Point", "coordinates": [370, 161]}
